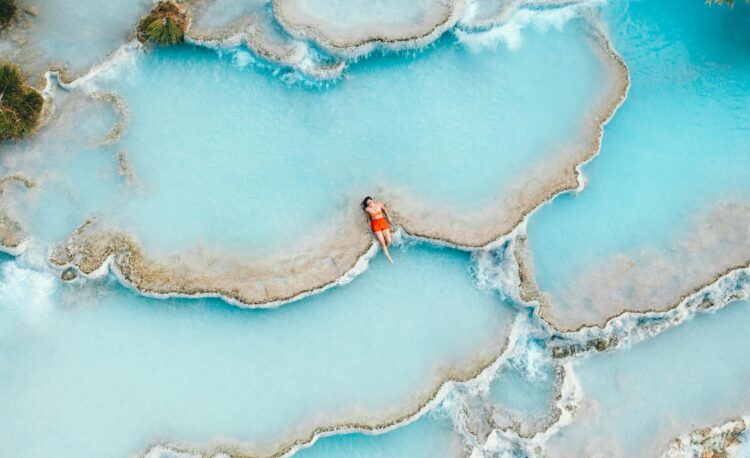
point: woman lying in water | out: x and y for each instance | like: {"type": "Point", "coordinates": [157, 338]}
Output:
{"type": "Point", "coordinates": [379, 219]}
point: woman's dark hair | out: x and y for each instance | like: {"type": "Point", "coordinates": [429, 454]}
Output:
{"type": "Point", "coordinates": [364, 202]}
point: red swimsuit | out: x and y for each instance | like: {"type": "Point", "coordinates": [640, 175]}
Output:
{"type": "Point", "coordinates": [378, 223]}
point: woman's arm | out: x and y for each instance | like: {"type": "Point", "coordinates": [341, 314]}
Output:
{"type": "Point", "coordinates": [387, 215]}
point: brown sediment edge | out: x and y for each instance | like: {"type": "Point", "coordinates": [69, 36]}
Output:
{"type": "Point", "coordinates": [509, 9]}
{"type": "Point", "coordinates": [15, 178]}
{"type": "Point", "coordinates": [566, 405]}
{"type": "Point", "coordinates": [713, 441]}
{"type": "Point", "coordinates": [12, 234]}
{"type": "Point", "coordinates": [553, 417]}
{"type": "Point", "coordinates": [529, 292]}
{"type": "Point", "coordinates": [123, 115]}
{"type": "Point", "coordinates": [68, 81]}
{"type": "Point", "coordinates": [357, 48]}
{"type": "Point", "coordinates": [252, 286]}
{"type": "Point", "coordinates": [115, 100]}
{"type": "Point", "coordinates": [242, 32]}
{"type": "Point", "coordinates": [265, 54]}
{"type": "Point", "coordinates": [428, 402]}
{"type": "Point", "coordinates": [125, 167]}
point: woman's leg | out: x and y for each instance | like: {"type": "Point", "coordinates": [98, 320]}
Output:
{"type": "Point", "coordinates": [387, 236]}
{"type": "Point", "coordinates": [381, 239]}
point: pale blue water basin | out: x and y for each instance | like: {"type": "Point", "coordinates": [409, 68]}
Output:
{"type": "Point", "coordinates": [526, 393]}
{"type": "Point", "coordinates": [228, 155]}
{"type": "Point", "coordinates": [346, 23]}
{"type": "Point", "coordinates": [636, 400]}
{"type": "Point", "coordinates": [74, 33]}
{"type": "Point", "coordinates": [676, 148]}
{"type": "Point", "coordinates": [428, 437]}
{"type": "Point", "coordinates": [94, 370]}
{"type": "Point", "coordinates": [222, 13]}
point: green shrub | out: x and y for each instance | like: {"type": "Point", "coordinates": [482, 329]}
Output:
{"type": "Point", "coordinates": [165, 25]}
{"type": "Point", "coordinates": [20, 105]}
{"type": "Point", "coordinates": [8, 10]}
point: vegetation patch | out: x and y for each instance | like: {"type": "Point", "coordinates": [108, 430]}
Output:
{"type": "Point", "coordinates": [8, 10]}
{"type": "Point", "coordinates": [20, 105]}
{"type": "Point", "coordinates": [165, 25]}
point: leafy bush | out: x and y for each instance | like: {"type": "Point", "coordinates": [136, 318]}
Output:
{"type": "Point", "coordinates": [165, 25]}
{"type": "Point", "coordinates": [20, 105]}
{"type": "Point", "coordinates": [8, 10]}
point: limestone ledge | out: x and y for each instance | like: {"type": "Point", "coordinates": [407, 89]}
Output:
{"type": "Point", "coordinates": [721, 441]}
{"type": "Point", "coordinates": [484, 363]}
{"type": "Point", "coordinates": [91, 249]}
{"type": "Point", "coordinates": [395, 38]}
{"type": "Point", "coordinates": [648, 280]}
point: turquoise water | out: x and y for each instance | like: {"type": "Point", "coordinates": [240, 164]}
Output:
{"type": "Point", "coordinates": [677, 148]}
{"type": "Point", "coordinates": [428, 437]}
{"type": "Point", "coordinates": [73, 34]}
{"type": "Point", "coordinates": [524, 394]}
{"type": "Point", "coordinates": [636, 401]}
{"type": "Point", "coordinates": [128, 371]}
{"type": "Point", "coordinates": [224, 13]}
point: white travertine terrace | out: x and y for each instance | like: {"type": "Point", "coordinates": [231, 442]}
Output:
{"type": "Point", "coordinates": [311, 266]}
{"type": "Point", "coordinates": [352, 28]}
{"type": "Point", "coordinates": [227, 23]}
{"type": "Point", "coordinates": [649, 279]}
{"type": "Point", "coordinates": [65, 35]}
{"type": "Point", "coordinates": [12, 234]}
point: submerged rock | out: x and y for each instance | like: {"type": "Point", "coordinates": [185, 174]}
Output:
{"type": "Point", "coordinates": [596, 344]}
{"type": "Point", "coordinates": [69, 275]}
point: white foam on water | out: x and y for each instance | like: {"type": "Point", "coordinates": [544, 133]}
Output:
{"type": "Point", "coordinates": [510, 33]}
{"type": "Point", "coordinates": [26, 293]}
{"type": "Point", "coordinates": [492, 270]}
{"type": "Point", "coordinates": [106, 70]}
